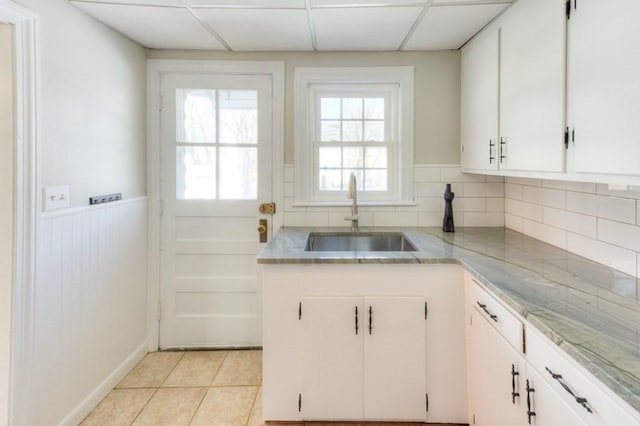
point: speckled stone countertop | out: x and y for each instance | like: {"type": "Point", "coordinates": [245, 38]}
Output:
{"type": "Point", "coordinates": [589, 310]}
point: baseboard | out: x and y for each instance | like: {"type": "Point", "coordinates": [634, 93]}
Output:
{"type": "Point", "coordinates": [102, 390]}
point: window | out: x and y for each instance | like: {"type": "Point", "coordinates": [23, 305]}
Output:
{"type": "Point", "coordinates": [347, 125]}
{"type": "Point", "coordinates": [216, 144]}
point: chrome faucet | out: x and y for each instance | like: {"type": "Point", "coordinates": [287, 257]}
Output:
{"type": "Point", "coordinates": [353, 195]}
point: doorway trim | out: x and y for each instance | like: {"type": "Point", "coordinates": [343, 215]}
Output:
{"type": "Point", "coordinates": [26, 128]}
{"type": "Point", "coordinates": [155, 69]}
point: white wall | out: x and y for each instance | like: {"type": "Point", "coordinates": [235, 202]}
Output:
{"type": "Point", "coordinates": [588, 219]}
{"type": "Point", "coordinates": [437, 92]}
{"type": "Point", "coordinates": [6, 213]}
{"type": "Point", "coordinates": [93, 110]}
{"type": "Point", "coordinates": [90, 316]}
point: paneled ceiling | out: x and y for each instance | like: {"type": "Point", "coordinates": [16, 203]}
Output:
{"type": "Point", "coordinates": [296, 25]}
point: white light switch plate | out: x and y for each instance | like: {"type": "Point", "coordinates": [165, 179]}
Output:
{"type": "Point", "coordinates": [56, 197]}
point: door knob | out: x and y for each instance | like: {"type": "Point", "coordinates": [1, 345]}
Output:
{"type": "Point", "coordinates": [262, 229]}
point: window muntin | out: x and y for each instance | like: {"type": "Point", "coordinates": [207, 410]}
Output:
{"type": "Point", "coordinates": [216, 144]}
{"type": "Point", "coordinates": [352, 132]}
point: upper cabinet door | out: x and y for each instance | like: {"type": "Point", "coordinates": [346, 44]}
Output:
{"type": "Point", "coordinates": [604, 93]}
{"type": "Point", "coordinates": [479, 130]}
{"type": "Point", "coordinates": [532, 89]}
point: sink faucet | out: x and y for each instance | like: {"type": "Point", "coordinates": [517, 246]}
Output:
{"type": "Point", "coordinates": [353, 195]}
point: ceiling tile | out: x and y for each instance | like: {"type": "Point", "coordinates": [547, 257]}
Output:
{"type": "Point", "coordinates": [260, 29]}
{"type": "Point", "coordinates": [174, 3]}
{"type": "Point", "coordinates": [372, 28]}
{"type": "Point", "coordinates": [365, 3]}
{"type": "Point", "coordinates": [261, 4]}
{"type": "Point", "coordinates": [449, 27]}
{"type": "Point", "coordinates": [154, 27]}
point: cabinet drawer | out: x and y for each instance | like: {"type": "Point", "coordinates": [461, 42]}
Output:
{"type": "Point", "coordinates": [494, 311]}
{"type": "Point", "coordinates": [573, 383]}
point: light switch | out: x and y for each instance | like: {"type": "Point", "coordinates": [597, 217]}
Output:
{"type": "Point", "coordinates": [56, 197]}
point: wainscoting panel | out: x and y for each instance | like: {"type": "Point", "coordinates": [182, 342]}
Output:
{"type": "Point", "coordinates": [90, 304]}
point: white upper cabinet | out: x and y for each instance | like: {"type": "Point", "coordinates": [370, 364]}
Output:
{"type": "Point", "coordinates": [604, 94]}
{"type": "Point", "coordinates": [479, 131]}
{"type": "Point", "coordinates": [532, 86]}
{"type": "Point", "coordinates": [513, 92]}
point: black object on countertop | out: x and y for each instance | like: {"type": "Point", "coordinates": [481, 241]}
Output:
{"type": "Point", "coordinates": [447, 223]}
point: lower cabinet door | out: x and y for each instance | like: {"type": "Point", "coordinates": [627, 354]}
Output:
{"type": "Point", "coordinates": [331, 353]}
{"type": "Point", "coordinates": [496, 374]}
{"type": "Point", "coordinates": [395, 358]}
{"type": "Point", "coordinates": [544, 406]}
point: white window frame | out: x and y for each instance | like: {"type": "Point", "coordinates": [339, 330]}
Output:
{"type": "Point", "coordinates": [309, 81]}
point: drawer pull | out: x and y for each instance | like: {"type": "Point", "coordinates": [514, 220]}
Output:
{"type": "Point", "coordinates": [370, 319]}
{"type": "Point", "coordinates": [514, 373]}
{"type": "Point", "coordinates": [579, 400]}
{"type": "Point", "coordinates": [484, 308]}
{"type": "Point", "coordinates": [356, 320]}
{"type": "Point", "coordinates": [529, 412]}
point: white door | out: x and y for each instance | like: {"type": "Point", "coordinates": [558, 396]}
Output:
{"type": "Point", "coordinates": [332, 329]}
{"type": "Point", "coordinates": [394, 358]}
{"type": "Point", "coordinates": [216, 161]}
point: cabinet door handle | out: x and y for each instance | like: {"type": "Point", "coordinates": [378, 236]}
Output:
{"type": "Point", "coordinates": [514, 373]}
{"type": "Point", "coordinates": [502, 144]}
{"type": "Point", "coordinates": [530, 413]}
{"type": "Point", "coordinates": [370, 319]}
{"type": "Point", "coordinates": [356, 320]}
{"type": "Point", "coordinates": [484, 308]}
{"type": "Point", "coordinates": [565, 386]}
{"type": "Point", "coordinates": [491, 145]}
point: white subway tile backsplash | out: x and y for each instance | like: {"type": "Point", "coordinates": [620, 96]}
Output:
{"type": "Point", "coordinates": [395, 219]}
{"type": "Point", "coordinates": [437, 189]}
{"type": "Point", "coordinates": [432, 219]}
{"type": "Point", "coordinates": [483, 189]}
{"type": "Point", "coordinates": [469, 204]}
{"type": "Point", "coordinates": [495, 204]}
{"type": "Point", "coordinates": [570, 186]}
{"type": "Point", "coordinates": [453, 174]}
{"type": "Point", "coordinates": [288, 189]}
{"type": "Point", "coordinates": [483, 219]}
{"type": "Point", "coordinates": [493, 179]}
{"type": "Point", "coordinates": [614, 208]}
{"type": "Point", "coordinates": [620, 234]}
{"type": "Point", "coordinates": [513, 191]}
{"type": "Point", "coordinates": [431, 204]}
{"type": "Point", "coordinates": [337, 219]}
{"type": "Point", "coordinates": [613, 256]}
{"type": "Point", "coordinates": [554, 236]}
{"type": "Point", "coordinates": [638, 212]}
{"type": "Point", "coordinates": [289, 173]}
{"type": "Point", "coordinates": [573, 222]}
{"type": "Point", "coordinates": [614, 191]}
{"type": "Point", "coordinates": [532, 194]}
{"type": "Point", "coordinates": [554, 198]}
{"type": "Point", "coordinates": [426, 174]}
{"type": "Point", "coordinates": [306, 219]}
{"type": "Point", "coordinates": [524, 181]}
{"type": "Point", "coordinates": [514, 222]}
{"type": "Point", "coordinates": [523, 209]}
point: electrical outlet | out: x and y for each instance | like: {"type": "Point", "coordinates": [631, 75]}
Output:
{"type": "Point", "coordinates": [56, 197]}
{"type": "Point", "coordinates": [99, 199]}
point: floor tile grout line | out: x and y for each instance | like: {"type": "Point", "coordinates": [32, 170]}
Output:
{"type": "Point", "coordinates": [253, 405]}
{"type": "Point", "coordinates": [226, 354]}
{"type": "Point", "coordinates": [172, 370]}
{"type": "Point", "coordinates": [195, 412]}
{"type": "Point", "coordinates": [144, 406]}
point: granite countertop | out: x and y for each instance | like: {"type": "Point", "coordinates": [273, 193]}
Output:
{"type": "Point", "coordinates": [589, 310]}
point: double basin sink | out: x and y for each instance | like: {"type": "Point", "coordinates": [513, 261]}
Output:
{"type": "Point", "coordinates": [358, 241]}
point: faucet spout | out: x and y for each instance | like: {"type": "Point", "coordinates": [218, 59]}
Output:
{"type": "Point", "coordinates": [353, 195]}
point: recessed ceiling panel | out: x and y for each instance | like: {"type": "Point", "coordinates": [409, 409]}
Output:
{"type": "Point", "coordinates": [371, 28]}
{"type": "Point", "coordinates": [261, 4]}
{"type": "Point", "coordinates": [449, 27]}
{"type": "Point", "coordinates": [260, 29]}
{"type": "Point", "coordinates": [154, 27]}
{"type": "Point", "coordinates": [174, 3]}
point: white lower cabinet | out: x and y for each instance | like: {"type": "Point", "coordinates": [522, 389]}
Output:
{"type": "Point", "coordinates": [403, 360]}
{"type": "Point", "coordinates": [363, 358]}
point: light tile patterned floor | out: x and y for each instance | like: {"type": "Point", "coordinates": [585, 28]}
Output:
{"type": "Point", "coordinates": [191, 388]}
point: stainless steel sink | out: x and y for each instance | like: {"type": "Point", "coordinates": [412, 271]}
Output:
{"type": "Point", "coordinates": [358, 241]}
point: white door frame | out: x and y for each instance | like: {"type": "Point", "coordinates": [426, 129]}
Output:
{"type": "Point", "coordinates": [155, 69]}
{"type": "Point", "coordinates": [26, 122]}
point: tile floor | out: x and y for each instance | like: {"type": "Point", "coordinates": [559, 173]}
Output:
{"type": "Point", "coordinates": [189, 388]}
